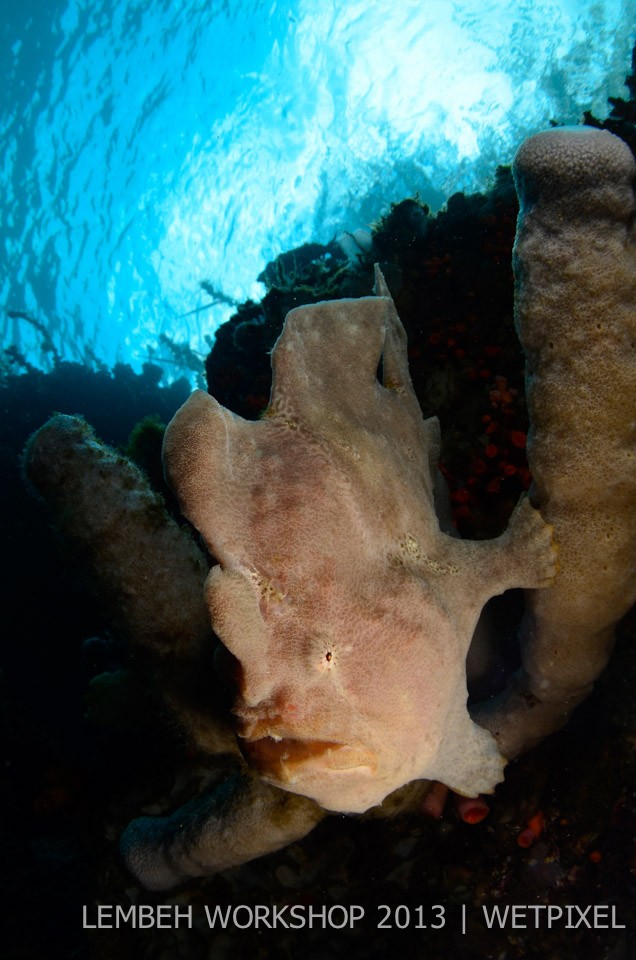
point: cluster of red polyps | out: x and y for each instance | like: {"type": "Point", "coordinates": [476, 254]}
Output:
{"type": "Point", "coordinates": [506, 444]}
{"type": "Point", "coordinates": [482, 414]}
{"type": "Point", "coordinates": [484, 429]}
{"type": "Point", "coordinates": [495, 471]}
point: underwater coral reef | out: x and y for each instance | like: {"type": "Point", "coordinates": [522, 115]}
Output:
{"type": "Point", "coordinates": [91, 740]}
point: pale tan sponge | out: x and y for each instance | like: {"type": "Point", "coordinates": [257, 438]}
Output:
{"type": "Point", "coordinates": [575, 309]}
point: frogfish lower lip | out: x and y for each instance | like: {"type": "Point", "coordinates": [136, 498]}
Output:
{"type": "Point", "coordinates": [282, 758]}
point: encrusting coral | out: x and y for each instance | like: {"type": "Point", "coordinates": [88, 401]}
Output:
{"type": "Point", "coordinates": [345, 605]}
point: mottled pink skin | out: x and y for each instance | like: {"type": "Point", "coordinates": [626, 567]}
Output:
{"type": "Point", "coordinates": [349, 611]}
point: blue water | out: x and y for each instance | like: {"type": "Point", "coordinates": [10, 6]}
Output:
{"type": "Point", "coordinates": [148, 146]}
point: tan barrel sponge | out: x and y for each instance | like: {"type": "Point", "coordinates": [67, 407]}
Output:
{"type": "Point", "coordinates": [145, 573]}
{"type": "Point", "coordinates": [575, 312]}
